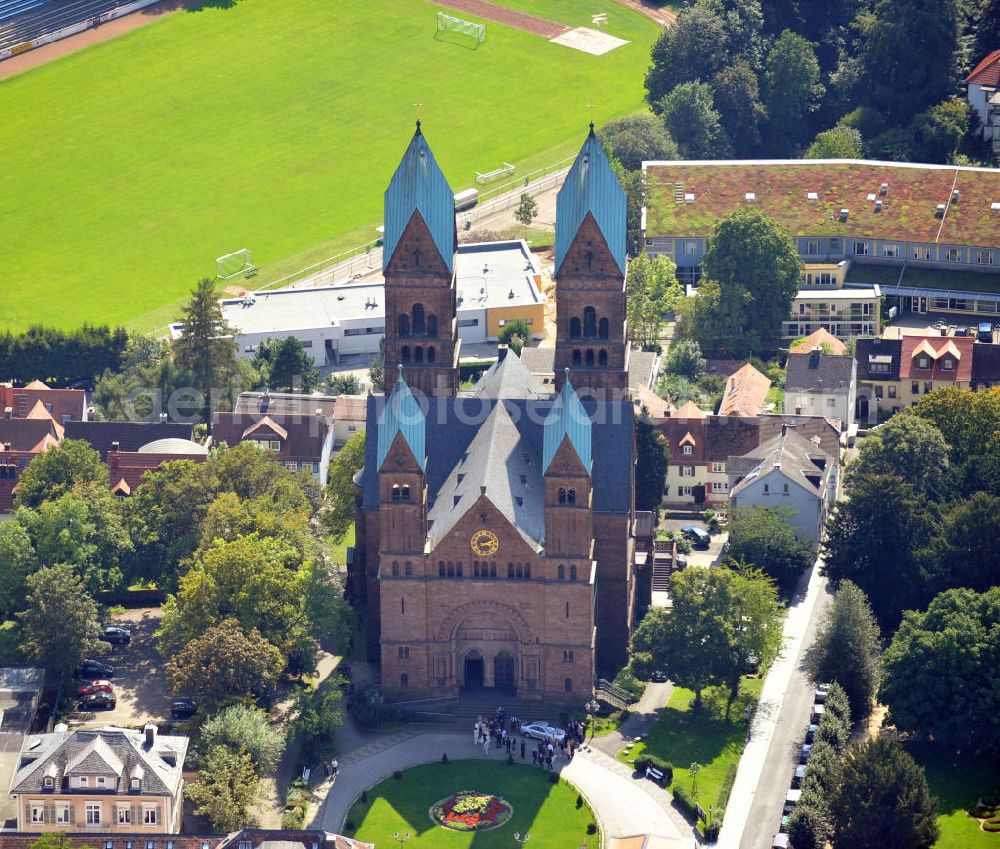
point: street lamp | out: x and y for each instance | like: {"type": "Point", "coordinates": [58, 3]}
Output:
{"type": "Point", "coordinates": [591, 707]}
{"type": "Point", "coordinates": [401, 838]}
{"type": "Point", "coordinates": [522, 839]}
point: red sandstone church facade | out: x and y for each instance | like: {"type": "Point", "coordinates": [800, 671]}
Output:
{"type": "Point", "coordinates": [494, 528]}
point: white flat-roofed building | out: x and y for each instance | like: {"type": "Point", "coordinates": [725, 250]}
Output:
{"type": "Point", "coordinates": [496, 283]}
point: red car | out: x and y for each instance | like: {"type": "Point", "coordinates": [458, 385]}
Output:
{"type": "Point", "coordinates": [96, 687]}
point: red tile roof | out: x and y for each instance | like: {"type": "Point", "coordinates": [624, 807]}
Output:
{"type": "Point", "coordinates": [817, 339]}
{"type": "Point", "coordinates": [909, 211]}
{"type": "Point", "coordinates": [986, 72]}
{"type": "Point", "coordinates": [745, 392]}
{"type": "Point", "coordinates": [936, 348]}
{"type": "Point", "coordinates": [128, 467]}
{"type": "Point", "coordinates": [61, 403]}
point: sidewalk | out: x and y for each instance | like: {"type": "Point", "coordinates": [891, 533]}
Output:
{"type": "Point", "coordinates": [768, 710]}
{"type": "Point", "coordinates": [623, 805]}
{"type": "Point", "coordinates": [642, 715]}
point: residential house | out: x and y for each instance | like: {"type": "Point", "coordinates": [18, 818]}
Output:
{"type": "Point", "coordinates": [247, 838]}
{"type": "Point", "coordinates": [822, 339]}
{"type": "Point", "coordinates": [785, 471]}
{"type": "Point", "coordinates": [302, 443]}
{"type": "Point", "coordinates": [345, 413]}
{"type": "Point", "coordinates": [745, 393]}
{"type": "Point", "coordinates": [62, 404]}
{"type": "Point", "coordinates": [878, 368]}
{"type": "Point", "coordinates": [819, 384]}
{"type": "Point", "coordinates": [100, 780]}
{"type": "Point", "coordinates": [897, 224]}
{"type": "Point", "coordinates": [21, 440]}
{"type": "Point", "coordinates": [126, 436]}
{"type": "Point", "coordinates": [985, 365]}
{"type": "Point", "coordinates": [983, 94]}
{"type": "Point", "coordinates": [819, 430]}
{"type": "Point", "coordinates": [126, 468]}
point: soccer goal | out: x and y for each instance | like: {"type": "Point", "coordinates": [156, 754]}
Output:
{"type": "Point", "coordinates": [449, 23]}
{"type": "Point", "coordinates": [235, 264]}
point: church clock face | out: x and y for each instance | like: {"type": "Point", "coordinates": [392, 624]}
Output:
{"type": "Point", "coordinates": [484, 543]}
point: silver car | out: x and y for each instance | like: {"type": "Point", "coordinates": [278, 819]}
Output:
{"type": "Point", "coordinates": [543, 730]}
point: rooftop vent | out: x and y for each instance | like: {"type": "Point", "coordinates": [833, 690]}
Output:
{"type": "Point", "coordinates": [955, 195]}
{"type": "Point", "coordinates": [812, 196]}
{"type": "Point", "coordinates": [751, 196]}
{"type": "Point", "coordinates": [995, 205]}
{"type": "Point", "coordinates": [871, 196]}
{"type": "Point", "coordinates": [883, 189]}
{"type": "Point", "coordinates": [844, 212]}
{"type": "Point", "coordinates": [939, 211]}
{"type": "Point", "coordinates": [878, 206]}
{"type": "Point", "coordinates": [689, 197]}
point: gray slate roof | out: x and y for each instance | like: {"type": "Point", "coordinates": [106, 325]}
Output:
{"type": "Point", "coordinates": [819, 372]}
{"type": "Point", "coordinates": [889, 350]}
{"type": "Point", "coordinates": [789, 451]}
{"type": "Point", "coordinates": [451, 424]}
{"type": "Point", "coordinates": [642, 365]}
{"type": "Point", "coordinates": [591, 186]}
{"type": "Point", "coordinates": [105, 751]}
{"type": "Point", "coordinates": [509, 378]}
{"type": "Point", "coordinates": [418, 185]}
{"type": "Point", "coordinates": [499, 459]}
{"type": "Point", "coordinates": [130, 436]}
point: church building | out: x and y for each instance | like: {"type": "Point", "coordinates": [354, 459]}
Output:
{"type": "Point", "coordinates": [495, 526]}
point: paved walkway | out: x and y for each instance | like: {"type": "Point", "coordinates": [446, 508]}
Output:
{"type": "Point", "coordinates": [622, 804]}
{"type": "Point", "coordinates": [762, 731]}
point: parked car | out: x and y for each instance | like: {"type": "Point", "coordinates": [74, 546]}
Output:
{"type": "Point", "coordinates": [780, 841]}
{"type": "Point", "coordinates": [792, 799]}
{"type": "Point", "coordinates": [699, 536]}
{"type": "Point", "coordinates": [98, 701]}
{"type": "Point", "coordinates": [985, 332]}
{"type": "Point", "coordinates": [811, 732]}
{"type": "Point", "coordinates": [820, 696]}
{"type": "Point", "coordinates": [962, 331]}
{"type": "Point", "coordinates": [90, 670]}
{"type": "Point", "coordinates": [817, 714]}
{"type": "Point", "coordinates": [116, 636]}
{"type": "Point", "coordinates": [805, 752]}
{"type": "Point", "coordinates": [183, 707]}
{"type": "Point", "coordinates": [800, 773]}
{"type": "Point", "coordinates": [543, 730]}
{"type": "Point", "coordinates": [95, 687]}
{"type": "Point", "coordinates": [658, 676]}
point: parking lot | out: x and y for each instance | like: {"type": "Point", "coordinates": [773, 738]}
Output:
{"type": "Point", "coordinates": [139, 682]}
{"type": "Point", "coordinates": [699, 557]}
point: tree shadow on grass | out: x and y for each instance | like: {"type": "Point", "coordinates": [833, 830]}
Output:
{"type": "Point", "coordinates": [211, 4]}
{"type": "Point", "coordinates": [547, 811]}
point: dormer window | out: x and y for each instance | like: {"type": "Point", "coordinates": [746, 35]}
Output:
{"type": "Point", "coordinates": [923, 362]}
{"type": "Point", "coordinates": [48, 782]}
{"type": "Point", "coordinates": [134, 784]}
{"type": "Point", "coordinates": [688, 450]}
{"type": "Point", "coordinates": [948, 364]}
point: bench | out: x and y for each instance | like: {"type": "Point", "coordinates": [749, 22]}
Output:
{"type": "Point", "coordinates": [655, 774]}
{"type": "Point", "coordinates": [306, 772]}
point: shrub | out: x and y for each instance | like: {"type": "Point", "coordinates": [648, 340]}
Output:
{"type": "Point", "coordinates": [831, 730]}
{"type": "Point", "coordinates": [687, 805]}
{"type": "Point", "coordinates": [349, 825]}
{"type": "Point", "coordinates": [711, 832]}
{"type": "Point", "coordinates": [293, 819]}
{"type": "Point", "coordinates": [397, 774]}
{"type": "Point", "coordinates": [627, 681]}
{"type": "Point", "coordinates": [579, 800]}
{"type": "Point", "coordinates": [837, 703]}
{"type": "Point", "coordinates": [591, 828]}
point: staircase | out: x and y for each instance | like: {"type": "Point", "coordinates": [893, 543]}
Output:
{"type": "Point", "coordinates": [613, 694]}
{"type": "Point", "coordinates": [663, 565]}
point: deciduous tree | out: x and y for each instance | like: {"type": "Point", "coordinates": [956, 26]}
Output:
{"type": "Point", "coordinates": [516, 333]}
{"type": "Point", "coordinates": [847, 648]}
{"type": "Point", "coordinates": [339, 515]}
{"type": "Point", "coordinates": [17, 562]}
{"type": "Point", "coordinates": [638, 138]}
{"type": "Point", "coordinates": [792, 92]}
{"type": "Point", "coordinates": [285, 365]}
{"type": "Point", "coordinates": [692, 120]}
{"type": "Point", "coordinates": [764, 538]}
{"type": "Point", "coordinates": [651, 465]}
{"type": "Point", "coordinates": [226, 790]}
{"type": "Point", "coordinates": [59, 622]}
{"type": "Point", "coordinates": [963, 551]}
{"type": "Point", "coordinates": [56, 471]}
{"type": "Point", "coordinates": [737, 97]}
{"type": "Point", "coordinates": [651, 289]}
{"type": "Point", "coordinates": [840, 142]}
{"type": "Point", "coordinates": [526, 211]}
{"type": "Point", "coordinates": [941, 671]}
{"type": "Point", "coordinates": [912, 448]}
{"type": "Point", "coordinates": [225, 665]}
{"type": "Point", "coordinates": [684, 358]}
{"type": "Point", "coordinates": [245, 730]}
{"type": "Point", "coordinates": [883, 800]}
{"type": "Point", "coordinates": [694, 48]}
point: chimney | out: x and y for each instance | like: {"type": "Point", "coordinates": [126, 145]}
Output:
{"type": "Point", "coordinates": [150, 734]}
{"type": "Point", "coordinates": [814, 358]}
{"type": "Point", "coordinates": [116, 446]}
{"type": "Point", "coordinates": [502, 353]}
{"type": "Point", "coordinates": [6, 446]}
{"type": "Point", "coordinates": [482, 490]}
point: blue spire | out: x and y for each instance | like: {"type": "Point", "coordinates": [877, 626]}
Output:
{"type": "Point", "coordinates": [567, 418]}
{"type": "Point", "coordinates": [419, 186]}
{"type": "Point", "coordinates": [591, 186]}
{"type": "Point", "coordinates": [401, 414]}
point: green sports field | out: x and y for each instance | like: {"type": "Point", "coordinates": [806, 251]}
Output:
{"type": "Point", "coordinates": [272, 125]}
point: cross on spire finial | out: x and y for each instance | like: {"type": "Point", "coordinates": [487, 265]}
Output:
{"type": "Point", "coordinates": [592, 106]}
{"type": "Point", "coordinates": [417, 106]}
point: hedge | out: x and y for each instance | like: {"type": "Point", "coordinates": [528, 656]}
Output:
{"type": "Point", "coordinates": [667, 768]}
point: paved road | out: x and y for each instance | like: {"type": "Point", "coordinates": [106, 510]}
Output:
{"type": "Point", "coordinates": [776, 775]}
{"type": "Point", "coordinates": [754, 810]}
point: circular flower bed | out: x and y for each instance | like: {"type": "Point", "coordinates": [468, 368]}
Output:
{"type": "Point", "coordinates": [469, 810]}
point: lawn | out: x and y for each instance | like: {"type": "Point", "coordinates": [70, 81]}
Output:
{"type": "Point", "coordinates": [958, 781]}
{"type": "Point", "coordinates": [707, 738]}
{"type": "Point", "coordinates": [338, 550]}
{"type": "Point", "coordinates": [272, 125]}
{"type": "Point", "coordinates": [548, 812]}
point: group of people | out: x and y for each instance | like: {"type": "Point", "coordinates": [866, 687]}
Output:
{"type": "Point", "coordinates": [498, 732]}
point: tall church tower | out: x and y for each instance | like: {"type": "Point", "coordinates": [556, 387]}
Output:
{"type": "Point", "coordinates": [421, 328]}
{"type": "Point", "coordinates": [591, 332]}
